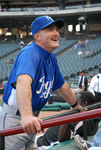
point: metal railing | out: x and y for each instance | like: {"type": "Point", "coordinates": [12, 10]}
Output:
{"type": "Point", "coordinates": [59, 120]}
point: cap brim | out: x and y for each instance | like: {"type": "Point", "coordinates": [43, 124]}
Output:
{"type": "Point", "coordinates": [59, 23]}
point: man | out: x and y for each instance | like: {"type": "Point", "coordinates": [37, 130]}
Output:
{"type": "Point", "coordinates": [57, 134]}
{"type": "Point", "coordinates": [95, 86]}
{"type": "Point", "coordinates": [86, 80]}
{"type": "Point", "coordinates": [34, 75]}
{"type": "Point", "coordinates": [21, 45]}
{"type": "Point", "coordinates": [83, 82]}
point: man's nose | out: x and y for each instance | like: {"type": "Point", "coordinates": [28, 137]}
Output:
{"type": "Point", "coordinates": [56, 32]}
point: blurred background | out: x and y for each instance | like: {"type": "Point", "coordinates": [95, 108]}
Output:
{"type": "Point", "coordinates": [80, 42]}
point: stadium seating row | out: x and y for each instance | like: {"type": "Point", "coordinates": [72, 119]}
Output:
{"type": "Point", "coordinates": [70, 63]}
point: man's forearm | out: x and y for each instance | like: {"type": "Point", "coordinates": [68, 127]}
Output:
{"type": "Point", "coordinates": [64, 132]}
{"type": "Point", "coordinates": [66, 93]}
{"type": "Point", "coordinates": [23, 95]}
{"type": "Point", "coordinates": [29, 122]}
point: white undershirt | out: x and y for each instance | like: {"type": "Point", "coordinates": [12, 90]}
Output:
{"type": "Point", "coordinates": [12, 99]}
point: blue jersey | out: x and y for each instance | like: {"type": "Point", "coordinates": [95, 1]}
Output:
{"type": "Point", "coordinates": [42, 67]}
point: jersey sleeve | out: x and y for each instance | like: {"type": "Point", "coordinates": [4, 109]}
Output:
{"type": "Point", "coordinates": [27, 63]}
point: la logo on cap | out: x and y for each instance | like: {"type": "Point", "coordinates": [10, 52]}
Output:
{"type": "Point", "coordinates": [49, 18]}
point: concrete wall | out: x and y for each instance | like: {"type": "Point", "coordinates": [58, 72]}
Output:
{"type": "Point", "coordinates": [95, 27]}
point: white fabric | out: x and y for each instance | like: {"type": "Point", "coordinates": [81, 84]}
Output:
{"type": "Point", "coordinates": [0, 109]}
{"type": "Point", "coordinates": [47, 147]}
{"type": "Point", "coordinates": [12, 99]}
{"type": "Point", "coordinates": [82, 80]}
{"type": "Point", "coordinates": [75, 129]}
{"type": "Point", "coordinates": [94, 84]}
{"type": "Point", "coordinates": [95, 148]}
{"type": "Point", "coordinates": [78, 125]}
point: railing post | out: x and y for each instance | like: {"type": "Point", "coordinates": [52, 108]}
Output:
{"type": "Point", "coordinates": [2, 142]}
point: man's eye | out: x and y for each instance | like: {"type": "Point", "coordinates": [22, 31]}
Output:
{"type": "Point", "coordinates": [50, 29]}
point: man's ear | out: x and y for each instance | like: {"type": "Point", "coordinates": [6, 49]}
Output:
{"type": "Point", "coordinates": [85, 103]}
{"type": "Point", "coordinates": [37, 36]}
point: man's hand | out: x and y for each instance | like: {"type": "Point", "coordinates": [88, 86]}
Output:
{"type": "Point", "coordinates": [77, 107]}
{"type": "Point", "coordinates": [31, 124]}
{"type": "Point", "coordinates": [66, 93]}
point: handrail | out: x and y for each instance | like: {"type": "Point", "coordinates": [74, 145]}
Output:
{"type": "Point", "coordinates": [56, 121]}
{"type": "Point", "coordinates": [89, 107]}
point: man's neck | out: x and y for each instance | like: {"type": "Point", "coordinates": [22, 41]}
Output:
{"type": "Point", "coordinates": [46, 49]}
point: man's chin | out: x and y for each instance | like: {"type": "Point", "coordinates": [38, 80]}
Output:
{"type": "Point", "coordinates": [56, 45]}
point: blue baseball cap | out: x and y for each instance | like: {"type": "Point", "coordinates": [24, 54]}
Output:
{"type": "Point", "coordinates": [44, 21]}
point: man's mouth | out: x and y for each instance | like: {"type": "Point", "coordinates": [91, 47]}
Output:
{"type": "Point", "coordinates": [56, 39]}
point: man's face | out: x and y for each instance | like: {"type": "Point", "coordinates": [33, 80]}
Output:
{"type": "Point", "coordinates": [48, 38]}
{"type": "Point", "coordinates": [81, 102]}
{"type": "Point", "coordinates": [82, 74]}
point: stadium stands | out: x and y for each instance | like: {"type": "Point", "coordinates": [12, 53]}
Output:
{"type": "Point", "coordinates": [64, 45]}
{"type": "Point", "coordinates": [8, 47]}
{"type": "Point", "coordinates": [71, 64]}
{"type": "Point", "coordinates": [69, 61]}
